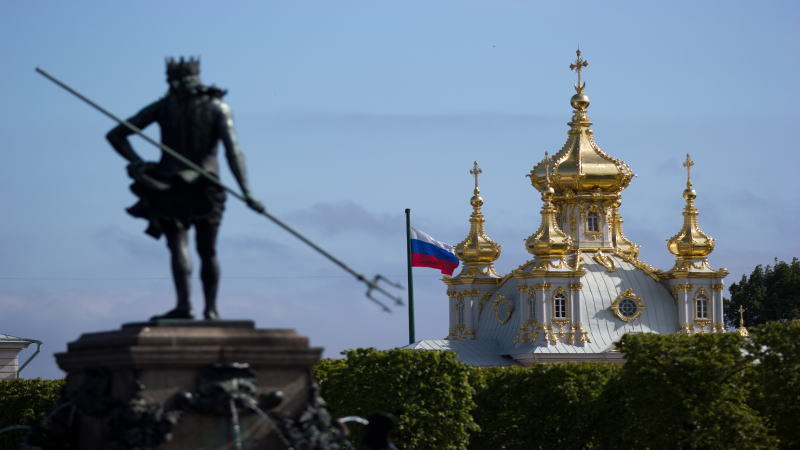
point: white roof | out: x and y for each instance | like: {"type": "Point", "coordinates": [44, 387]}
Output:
{"type": "Point", "coordinates": [475, 353]}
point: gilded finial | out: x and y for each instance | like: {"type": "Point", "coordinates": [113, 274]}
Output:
{"type": "Point", "coordinates": [546, 167]}
{"type": "Point", "coordinates": [476, 170]}
{"type": "Point", "coordinates": [476, 201]}
{"type": "Point", "coordinates": [688, 164]}
{"type": "Point", "coordinates": [691, 245]}
{"type": "Point", "coordinates": [579, 101]}
{"type": "Point", "coordinates": [742, 330]}
{"type": "Point", "coordinates": [578, 66]}
{"type": "Point", "coordinates": [547, 191]}
{"type": "Point", "coordinates": [477, 251]}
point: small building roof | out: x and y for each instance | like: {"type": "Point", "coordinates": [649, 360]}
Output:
{"type": "Point", "coordinates": [13, 339]}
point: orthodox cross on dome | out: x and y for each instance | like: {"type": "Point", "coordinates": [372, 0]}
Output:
{"type": "Point", "coordinates": [688, 164]}
{"type": "Point", "coordinates": [476, 170]}
{"type": "Point", "coordinates": [742, 330]}
{"type": "Point", "coordinates": [577, 66]}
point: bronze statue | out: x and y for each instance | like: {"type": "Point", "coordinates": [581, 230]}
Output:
{"type": "Point", "coordinates": [173, 197]}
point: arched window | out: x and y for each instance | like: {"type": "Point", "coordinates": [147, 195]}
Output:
{"type": "Point", "coordinates": [701, 306]}
{"type": "Point", "coordinates": [592, 222]}
{"type": "Point", "coordinates": [560, 306]}
{"type": "Point", "coordinates": [532, 306]}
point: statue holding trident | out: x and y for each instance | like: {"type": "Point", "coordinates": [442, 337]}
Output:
{"type": "Point", "coordinates": [174, 197]}
{"type": "Point", "coordinates": [183, 188]}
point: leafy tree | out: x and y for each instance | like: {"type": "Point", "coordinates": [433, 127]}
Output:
{"type": "Point", "coordinates": [775, 378]}
{"type": "Point", "coordinates": [679, 391]}
{"type": "Point", "coordinates": [770, 293]}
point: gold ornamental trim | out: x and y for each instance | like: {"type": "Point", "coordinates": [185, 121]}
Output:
{"type": "Point", "coordinates": [717, 287]}
{"type": "Point", "coordinates": [605, 261]}
{"type": "Point", "coordinates": [719, 274]}
{"type": "Point", "coordinates": [502, 309]}
{"type": "Point", "coordinates": [628, 294]}
{"type": "Point", "coordinates": [651, 271]}
{"type": "Point", "coordinates": [576, 287]}
{"type": "Point", "coordinates": [452, 281]}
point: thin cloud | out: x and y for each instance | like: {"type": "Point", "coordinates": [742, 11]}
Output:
{"type": "Point", "coordinates": [136, 246]}
{"type": "Point", "coordinates": [348, 217]}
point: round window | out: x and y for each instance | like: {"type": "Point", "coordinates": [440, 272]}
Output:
{"type": "Point", "coordinates": [628, 307]}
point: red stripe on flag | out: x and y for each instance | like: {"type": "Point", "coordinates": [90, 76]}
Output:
{"type": "Point", "coordinates": [420, 260]}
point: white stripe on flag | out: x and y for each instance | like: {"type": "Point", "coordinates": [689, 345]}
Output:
{"type": "Point", "coordinates": [425, 237]}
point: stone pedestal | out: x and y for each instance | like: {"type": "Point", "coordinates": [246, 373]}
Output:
{"type": "Point", "coordinates": [140, 374]}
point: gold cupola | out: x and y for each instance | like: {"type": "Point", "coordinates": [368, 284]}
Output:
{"type": "Point", "coordinates": [477, 251]}
{"type": "Point", "coordinates": [691, 245]}
{"type": "Point", "coordinates": [581, 166]}
{"type": "Point", "coordinates": [549, 242]}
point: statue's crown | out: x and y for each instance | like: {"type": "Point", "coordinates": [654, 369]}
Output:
{"type": "Point", "coordinates": [182, 68]}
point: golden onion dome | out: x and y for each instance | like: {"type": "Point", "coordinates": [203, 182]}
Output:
{"type": "Point", "coordinates": [690, 241]}
{"type": "Point", "coordinates": [549, 241]}
{"type": "Point", "coordinates": [581, 166]}
{"type": "Point", "coordinates": [477, 251]}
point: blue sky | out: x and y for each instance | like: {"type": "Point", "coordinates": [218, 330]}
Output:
{"type": "Point", "coordinates": [351, 111]}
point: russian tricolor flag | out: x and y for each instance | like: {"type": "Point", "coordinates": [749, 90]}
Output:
{"type": "Point", "coordinates": [428, 252]}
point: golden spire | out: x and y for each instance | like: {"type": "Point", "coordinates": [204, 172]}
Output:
{"type": "Point", "coordinates": [581, 166]}
{"type": "Point", "coordinates": [690, 245]}
{"type": "Point", "coordinates": [742, 330]}
{"type": "Point", "coordinates": [478, 252]}
{"type": "Point", "coordinates": [549, 241]}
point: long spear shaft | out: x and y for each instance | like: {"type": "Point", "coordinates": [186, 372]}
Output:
{"type": "Point", "coordinates": [372, 285]}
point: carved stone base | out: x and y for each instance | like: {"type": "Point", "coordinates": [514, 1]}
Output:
{"type": "Point", "coordinates": [141, 384]}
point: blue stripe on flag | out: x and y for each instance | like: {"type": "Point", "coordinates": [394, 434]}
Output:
{"type": "Point", "coordinates": [427, 248]}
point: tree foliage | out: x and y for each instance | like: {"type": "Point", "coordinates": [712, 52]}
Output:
{"type": "Point", "coordinates": [428, 391]}
{"type": "Point", "coordinates": [543, 406]}
{"type": "Point", "coordinates": [680, 391]}
{"type": "Point", "coordinates": [770, 293]}
{"type": "Point", "coordinates": [23, 402]}
{"type": "Point", "coordinates": [775, 378]}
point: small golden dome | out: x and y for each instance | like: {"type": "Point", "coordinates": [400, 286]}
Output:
{"type": "Point", "coordinates": [477, 251]}
{"type": "Point", "coordinates": [549, 241]}
{"type": "Point", "coordinates": [690, 241]}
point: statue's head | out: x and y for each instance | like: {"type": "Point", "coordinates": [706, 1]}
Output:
{"type": "Point", "coordinates": [183, 71]}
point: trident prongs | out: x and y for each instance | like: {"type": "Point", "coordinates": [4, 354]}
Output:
{"type": "Point", "coordinates": [372, 285]}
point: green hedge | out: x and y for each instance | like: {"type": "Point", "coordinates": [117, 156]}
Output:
{"type": "Point", "coordinates": [24, 402]}
{"type": "Point", "coordinates": [429, 392]}
{"type": "Point", "coordinates": [543, 406]}
{"type": "Point", "coordinates": [674, 391]}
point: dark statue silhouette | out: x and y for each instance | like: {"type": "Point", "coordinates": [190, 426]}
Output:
{"type": "Point", "coordinates": [193, 120]}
